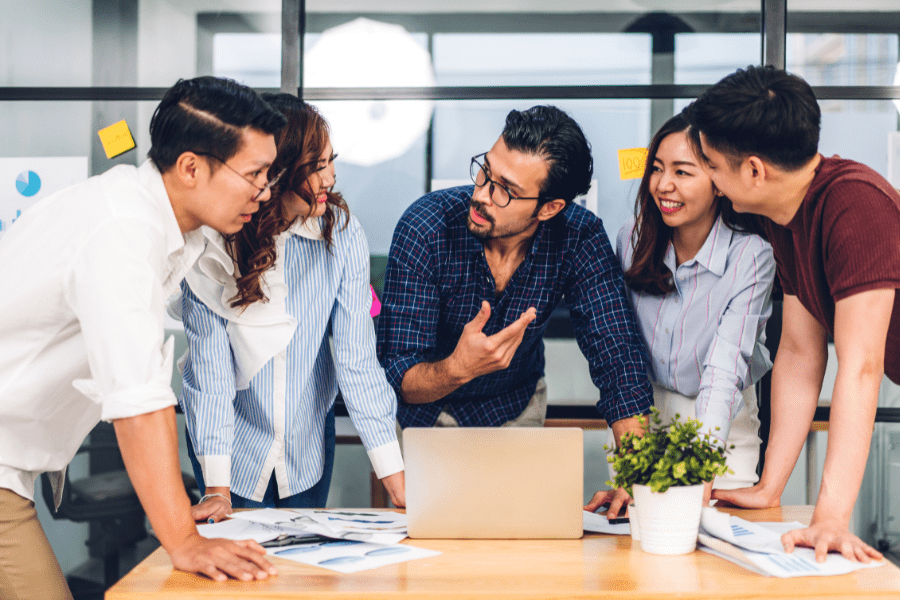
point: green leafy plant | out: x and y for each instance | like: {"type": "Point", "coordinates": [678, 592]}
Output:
{"type": "Point", "coordinates": [666, 455]}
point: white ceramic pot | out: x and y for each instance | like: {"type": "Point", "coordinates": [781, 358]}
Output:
{"type": "Point", "coordinates": [634, 523]}
{"type": "Point", "coordinates": [669, 521]}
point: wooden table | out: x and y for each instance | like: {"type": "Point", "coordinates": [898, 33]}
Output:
{"type": "Point", "coordinates": [596, 566]}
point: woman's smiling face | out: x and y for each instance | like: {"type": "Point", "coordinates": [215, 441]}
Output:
{"type": "Point", "coordinates": [680, 185]}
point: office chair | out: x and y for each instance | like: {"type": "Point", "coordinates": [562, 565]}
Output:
{"type": "Point", "coordinates": [109, 500]}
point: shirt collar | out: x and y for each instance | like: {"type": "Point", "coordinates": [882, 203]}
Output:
{"type": "Point", "coordinates": [175, 239]}
{"type": "Point", "coordinates": [307, 228]}
{"type": "Point", "coordinates": [713, 255]}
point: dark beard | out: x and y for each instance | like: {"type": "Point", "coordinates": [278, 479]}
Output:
{"type": "Point", "coordinates": [479, 234]}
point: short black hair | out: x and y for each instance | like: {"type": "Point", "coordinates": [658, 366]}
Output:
{"type": "Point", "coordinates": [760, 111]}
{"type": "Point", "coordinates": [207, 115]}
{"type": "Point", "coordinates": [550, 133]}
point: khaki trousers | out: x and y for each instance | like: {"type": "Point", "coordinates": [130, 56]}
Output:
{"type": "Point", "coordinates": [534, 415]}
{"type": "Point", "coordinates": [28, 568]}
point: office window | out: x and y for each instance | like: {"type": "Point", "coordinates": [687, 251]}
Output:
{"type": "Point", "coordinates": [44, 47]}
{"type": "Point", "coordinates": [542, 59]}
{"type": "Point", "coordinates": [253, 59]}
{"type": "Point", "coordinates": [45, 128]}
{"type": "Point", "coordinates": [380, 144]}
{"type": "Point", "coordinates": [708, 57]}
{"type": "Point", "coordinates": [842, 58]}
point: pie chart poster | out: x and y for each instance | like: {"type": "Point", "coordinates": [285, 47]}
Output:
{"type": "Point", "coordinates": [25, 181]}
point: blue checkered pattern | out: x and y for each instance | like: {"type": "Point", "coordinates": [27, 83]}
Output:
{"type": "Point", "coordinates": [437, 277]}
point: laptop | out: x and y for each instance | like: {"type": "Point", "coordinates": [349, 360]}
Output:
{"type": "Point", "coordinates": [494, 483]}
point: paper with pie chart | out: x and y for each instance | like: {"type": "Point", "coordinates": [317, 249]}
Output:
{"type": "Point", "coordinates": [348, 556]}
{"type": "Point", "coordinates": [26, 181]}
{"type": "Point", "coordinates": [343, 540]}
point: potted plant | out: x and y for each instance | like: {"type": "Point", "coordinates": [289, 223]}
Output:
{"type": "Point", "coordinates": [664, 471]}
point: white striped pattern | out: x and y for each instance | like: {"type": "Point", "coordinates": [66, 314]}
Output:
{"type": "Point", "coordinates": [706, 339]}
{"type": "Point", "coordinates": [277, 424]}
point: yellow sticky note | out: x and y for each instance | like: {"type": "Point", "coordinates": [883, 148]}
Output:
{"type": "Point", "coordinates": [116, 139]}
{"type": "Point", "coordinates": [631, 163]}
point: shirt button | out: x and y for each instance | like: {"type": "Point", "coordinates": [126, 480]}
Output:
{"type": "Point", "coordinates": [667, 330]}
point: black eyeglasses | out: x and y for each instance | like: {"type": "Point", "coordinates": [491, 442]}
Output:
{"type": "Point", "coordinates": [262, 190]}
{"type": "Point", "coordinates": [499, 193]}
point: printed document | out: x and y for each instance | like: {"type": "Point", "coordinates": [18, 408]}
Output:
{"type": "Point", "coordinates": [758, 547]}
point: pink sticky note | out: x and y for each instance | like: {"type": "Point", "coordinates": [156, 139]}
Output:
{"type": "Point", "coordinates": [376, 305]}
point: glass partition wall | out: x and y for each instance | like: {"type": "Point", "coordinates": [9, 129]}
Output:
{"type": "Point", "coordinates": [413, 89]}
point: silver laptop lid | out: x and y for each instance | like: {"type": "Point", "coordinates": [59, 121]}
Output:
{"type": "Point", "coordinates": [500, 482]}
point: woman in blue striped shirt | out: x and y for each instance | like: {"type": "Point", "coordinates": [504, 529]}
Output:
{"type": "Point", "coordinates": [700, 282]}
{"type": "Point", "coordinates": [277, 318]}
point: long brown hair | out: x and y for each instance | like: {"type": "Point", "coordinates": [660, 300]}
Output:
{"type": "Point", "coordinates": [300, 145]}
{"type": "Point", "coordinates": [650, 239]}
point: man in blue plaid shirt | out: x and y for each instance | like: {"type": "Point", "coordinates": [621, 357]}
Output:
{"type": "Point", "coordinates": [475, 272]}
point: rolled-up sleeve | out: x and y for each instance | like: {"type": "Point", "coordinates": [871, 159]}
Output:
{"type": "Point", "coordinates": [114, 289]}
{"type": "Point", "coordinates": [370, 400]}
{"type": "Point", "coordinates": [736, 346]}
{"type": "Point", "coordinates": [407, 326]}
{"type": "Point", "coordinates": [605, 330]}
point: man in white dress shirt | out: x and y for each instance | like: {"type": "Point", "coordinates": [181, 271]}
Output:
{"type": "Point", "coordinates": [86, 273]}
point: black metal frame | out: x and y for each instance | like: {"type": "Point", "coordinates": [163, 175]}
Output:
{"type": "Point", "coordinates": [544, 92]}
{"type": "Point", "coordinates": [771, 23]}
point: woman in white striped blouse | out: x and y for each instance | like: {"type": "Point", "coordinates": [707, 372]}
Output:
{"type": "Point", "coordinates": [277, 318]}
{"type": "Point", "coordinates": [700, 282]}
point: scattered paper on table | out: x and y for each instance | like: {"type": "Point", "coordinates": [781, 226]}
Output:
{"type": "Point", "coordinates": [348, 556]}
{"type": "Point", "coordinates": [294, 535]}
{"type": "Point", "coordinates": [358, 521]}
{"type": "Point", "coordinates": [239, 529]}
{"type": "Point", "coordinates": [269, 516]}
{"type": "Point", "coordinates": [737, 531]}
{"type": "Point", "coordinates": [600, 524]}
{"type": "Point", "coordinates": [758, 547]}
{"type": "Point", "coordinates": [301, 519]}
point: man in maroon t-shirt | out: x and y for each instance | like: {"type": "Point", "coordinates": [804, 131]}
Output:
{"type": "Point", "coordinates": [834, 225]}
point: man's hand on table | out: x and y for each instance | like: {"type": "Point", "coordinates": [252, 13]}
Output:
{"type": "Point", "coordinates": [617, 499]}
{"type": "Point", "coordinates": [822, 535]}
{"type": "Point", "coordinates": [396, 488]}
{"type": "Point", "coordinates": [220, 559]}
{"type": "Point", "coordinates": [825, 536]}
{"type": "Point", "coordinates": [751, 497]}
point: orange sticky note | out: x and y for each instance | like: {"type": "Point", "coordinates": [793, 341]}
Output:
{"type": "Point", "coordinates": [631, 163]}
{"type": "Point", "coordinates": [116, 139]}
